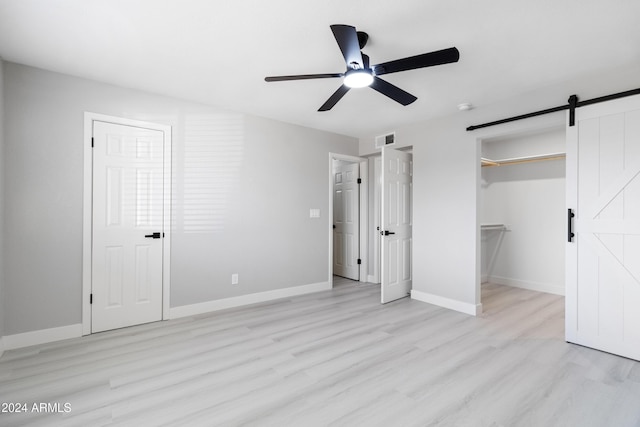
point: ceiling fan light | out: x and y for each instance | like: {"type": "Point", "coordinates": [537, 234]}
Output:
{"type": "Point", "coordinates": [358, 78]}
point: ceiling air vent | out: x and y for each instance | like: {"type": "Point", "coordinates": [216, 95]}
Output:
{"type": "Point", "coordinates": [388, 139]}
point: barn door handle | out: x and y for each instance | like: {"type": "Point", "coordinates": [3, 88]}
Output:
{"type": "Point", "coordinates": [570, 233]}
{"type": "Point", "coordinates": [386, 232]}
{"type": "Point", "coordinates": [155, 235]}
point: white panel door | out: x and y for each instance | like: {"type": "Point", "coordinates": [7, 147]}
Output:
{"type": "Point", "coordinates": [126, 282]}
{"type": "Point", "coordinates": [603, 259]}
{"type": "Point", "coordinates": [346, 220]}
{"type": "Point", "coordinates": [396, 228]}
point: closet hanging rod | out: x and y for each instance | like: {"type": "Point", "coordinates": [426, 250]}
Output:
{"type": "Point", "coordinates": [488, 162]}
{"type": "Point", "coordinates": [493, 227]}
{"type": "Point", "coordinates": [526, 159]}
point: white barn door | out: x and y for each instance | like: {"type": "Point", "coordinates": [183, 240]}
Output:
{"type": "Point", "coordinates": [603, 258]}
{"type": "Point", "coordinates": [346, 220]}
{"type": "Point", "coordinates": [127, 250]}
{"type": "Point", "coordinates": [396, 224]}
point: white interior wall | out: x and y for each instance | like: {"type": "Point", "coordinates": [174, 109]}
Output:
{"type": "Point", "coordinates": [242, 190]}
{"type": "Point", "coordinates": [444, 205]}
{"type": "Point", "coordinates": [529, 199]}
{"type": "Point", "coordinates": [446, 182]}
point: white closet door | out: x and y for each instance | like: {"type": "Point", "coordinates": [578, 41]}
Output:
{"type": "Point", "coordinates": [603, 260]}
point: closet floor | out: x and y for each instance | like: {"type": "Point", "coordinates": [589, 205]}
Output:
{"type": "Point", "coordinates": [331, 358]}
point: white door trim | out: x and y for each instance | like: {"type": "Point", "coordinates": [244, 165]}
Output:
{"type": "Point", "coordinates": [375, 220]}
{"type": "Point", "coordinates": [87, 215]}
{"type": "Point", "coordinates": [512, 129]}
{"type": "Point", "coordinates": [364, 208]}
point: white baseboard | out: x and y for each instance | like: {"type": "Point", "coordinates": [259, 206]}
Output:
{"type": "Point", "coordinates": [532, 286]}
{"type": "Point", "coordinates": [42, 336]}
{"type": "Point", "coordinates": [451, 304]}
{"type": "Point", "coordinates": [209, 306]}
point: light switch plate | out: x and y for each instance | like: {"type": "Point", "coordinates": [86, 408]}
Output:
{"type": "Point", "coordinates": [314, 213]}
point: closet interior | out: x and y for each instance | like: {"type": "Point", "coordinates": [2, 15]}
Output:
{"type": "Point", "coordinates": [523, 211]}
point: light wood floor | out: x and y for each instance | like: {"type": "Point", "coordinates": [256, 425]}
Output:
{"type": "Point", "coordinates": [332, 358]}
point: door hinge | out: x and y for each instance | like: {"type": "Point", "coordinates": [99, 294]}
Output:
{"type": "Point", "coordinates": [359, 180]}
{"type": "Point", "coordinates": [91, 142]}
{"type": "Point", "coordinates": [359, 261]}
{"type": "Point", "coordinates": [90, 298]}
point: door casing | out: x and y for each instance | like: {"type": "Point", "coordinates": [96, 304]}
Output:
{"type": "Point", "coordinates": [87, 225]}
{"type": "Point", "coordinates": [518, 128]}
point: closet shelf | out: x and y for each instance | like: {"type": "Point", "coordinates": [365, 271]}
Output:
{"type": "Point", "coordinates": [526, 159]}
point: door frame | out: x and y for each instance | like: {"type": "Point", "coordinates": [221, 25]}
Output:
{"type": "Point", "coordinates": [363, 209]}
{"type": "Point", "coordinates": [513, 129]}
{"type": "Point", "coordinates": [376, 219]}
{"type": "Point", "coordinates": [87, 211]}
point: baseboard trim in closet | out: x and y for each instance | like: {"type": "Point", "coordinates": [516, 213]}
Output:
{"type": "Point", "coordinates": [222, 304]}
{"type": "Point", "coordinates": [41, 336]}
{"type": "Point", "coordinates": [523, 284]}
{"type": "Point", "coordinates": [451, 304]}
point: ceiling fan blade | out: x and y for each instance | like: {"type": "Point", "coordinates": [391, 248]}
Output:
{"type": "Point", "coordinates": [347, 39]}
{"type": "Point", "coordinates": [302, 77]}
{"type": "Point", "coordinates": [333, 99]}
{"type": "Point", "coordinates": [439, 57]}
{"type": "Point", "coordinates": [393, 92]}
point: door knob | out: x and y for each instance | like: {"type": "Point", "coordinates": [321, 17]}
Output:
{"type": "Point", "coordinates": [386, 232]}
{"type": "Point", "coordinates": [155, 235]}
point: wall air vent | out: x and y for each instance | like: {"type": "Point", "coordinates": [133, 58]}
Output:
{"type": "Point", "coordinates": [388, 139]}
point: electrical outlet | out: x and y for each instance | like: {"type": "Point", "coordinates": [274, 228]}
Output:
{"type": "Point", "coordinates": [234, 279]}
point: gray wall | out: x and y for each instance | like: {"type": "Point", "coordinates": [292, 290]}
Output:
{"type": "Point", "coordinates": [242, 190]}
{"type": "Point", "coordinates": [2, 206]}
{"type": "Point", "coordinates": [446, 182]}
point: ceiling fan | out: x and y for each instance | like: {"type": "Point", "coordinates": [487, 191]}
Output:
{"type": "Point", "coordinates": [360, 74]}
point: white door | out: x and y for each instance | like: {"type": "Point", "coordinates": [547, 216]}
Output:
{"type": "Point", "coordinates": [346, 220]}
{"type": "Point", "coordinates": [126, 280]}
{"type": "Point", "coordinates": [603, 258]}
{"type": "Point", "coordinates": [396, 224]}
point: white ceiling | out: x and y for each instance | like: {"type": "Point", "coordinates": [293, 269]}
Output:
{"type": "Point", "coordinates": [218, 52]}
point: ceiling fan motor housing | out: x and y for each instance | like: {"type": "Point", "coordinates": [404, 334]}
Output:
{"type": "Point", "coordinates": [362, 38]}
{"type": "Point", "coordinates": [360, 74]}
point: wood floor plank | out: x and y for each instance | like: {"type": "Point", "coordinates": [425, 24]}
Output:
{"type": "Point", "coordinates": [332, 358]}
